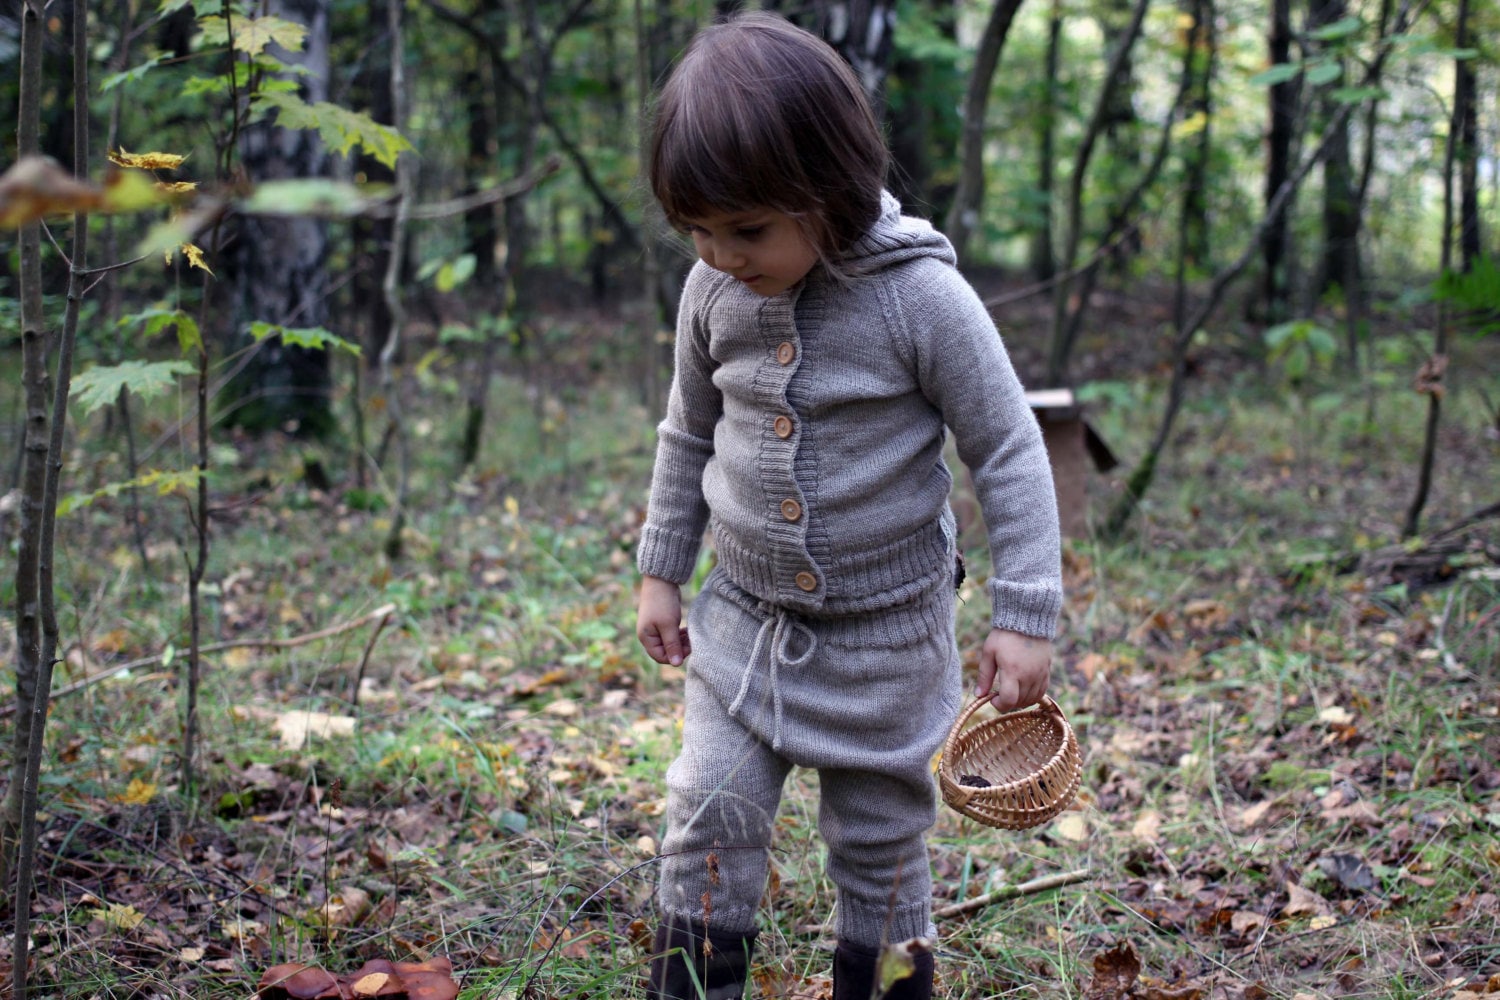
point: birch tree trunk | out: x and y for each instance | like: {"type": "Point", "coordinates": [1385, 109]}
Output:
{"type": "Point", "coordinates": [278, 263]}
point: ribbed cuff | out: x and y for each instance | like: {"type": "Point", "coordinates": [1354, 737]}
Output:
{"type": "Point", "coordinates": [1026, 608]}
{"type": "Point", "coordinates": [879, 925]}
{"type": "Point", "coordinates": [666, 555]}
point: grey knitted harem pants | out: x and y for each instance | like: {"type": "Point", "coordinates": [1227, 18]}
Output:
{"type": "Point", "coordinates": [864, 700]}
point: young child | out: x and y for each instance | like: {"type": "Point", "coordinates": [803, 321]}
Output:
{"type": "Point", "coordinates": [823, 343]}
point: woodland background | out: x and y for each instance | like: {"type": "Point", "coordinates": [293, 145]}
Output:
{"type": "Point", "coordinates": [328, 406]}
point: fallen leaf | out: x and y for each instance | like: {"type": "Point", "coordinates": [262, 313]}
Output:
{"type": "Point", "coordinates": [1301, 900]}
{"type": "Point", "coordinates": [137, 793]}
{"type": "Point", "coordinates": [1252, 815]}
{"type": "Point", "coordinates": [192, 956]}
{"type": "Point", "coordinates": [1147, 826]}
{"type": "Point", "coordinates": [1335, 715]}
{"type": "Point", "coordinates": [1115, 971]}
{"type": "Point", "coordinates": [373, 985]}
{"type": "Point", "coordinates": [120, 916]}
{"type": "Point", "coordinates": [1072, 827]}
{"type": "Point", "coordinates": [297, 728]}
{"type": "Point", "coordinates": [1348, 870]}
{"type": "Point", "coordinates": [1093, 665]}
{"type": "Point", "coordinates": [1245, 921]}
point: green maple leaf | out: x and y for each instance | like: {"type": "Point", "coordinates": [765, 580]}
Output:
{"type": "Point", "coordinates": [101, 384]}
{"type": "Point", "coordinates": [314, 337]}
{"type": "Point", "coordinates": [253, 34]}
{"type": "Point", "coordinates": [340, 128]}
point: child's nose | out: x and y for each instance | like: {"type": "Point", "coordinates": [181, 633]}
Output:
{"type": "Point", "coordinates": [728, 257]}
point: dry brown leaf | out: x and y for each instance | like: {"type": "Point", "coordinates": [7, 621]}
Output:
{"type": "Point", "coordinates": [1115, 971]}
{"type": "Point", "coordinates": [1093, 665]}
{"type": "Point", "coordinates": [1072, 827]}
{"type": "Point", "coordinates": [1147, 826]}
{"type": "Point", "coordinates": [1304, 901]}
{"type": "Point", "coordinates": [1245, 921]}
{"type": "Point", "coordinates": [1251, 816]}
{"type": "Point", "coordinates": [297, 728]}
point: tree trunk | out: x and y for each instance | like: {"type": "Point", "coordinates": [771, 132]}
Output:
{"type": "Point", "coordinates": [920, 128]}
{"type": "Point", "coordinates": [1431, 378]}
{"type": "Point", "coordinates": [861, 31]}
{"type": "Point", "coordinates": [1282, 99]}
{"type": "Point", "coordinates": [35, 384]}
{"type": "Point", "coordinates": [1062, 342]}
{"type": "Point", "coordinates": [1340, 252]}
{"type": "Point", "coordinates": [372, 236]}
{"type": "Point", "coordinates": [1466, 118]}
{"type": "Point", "coordinates": [1202, 49]}
{"type": "Point", "coordinates": [1043, 259]}
{"type": "Point", "coordinates": [968, 199]}
{"type": "Point", "coordinates": [278, 263]}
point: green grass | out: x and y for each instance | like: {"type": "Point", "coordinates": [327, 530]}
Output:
{"type": "Point", "coordinates": [1249, 708]}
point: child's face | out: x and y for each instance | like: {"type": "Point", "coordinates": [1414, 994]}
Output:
{"type": "Point", "coordinates": [762, 248]}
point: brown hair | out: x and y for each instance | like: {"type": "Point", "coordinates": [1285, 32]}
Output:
{"type": "Point", "coordinates": [760, 113]}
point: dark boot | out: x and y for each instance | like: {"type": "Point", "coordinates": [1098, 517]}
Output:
{"type": "Point", "coordinates": [721, 969]}
{"type": "Point", "coordinates": [855, 975]}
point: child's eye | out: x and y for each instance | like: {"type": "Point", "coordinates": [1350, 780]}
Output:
{"type": "Point", "coordinates": [749, 232]}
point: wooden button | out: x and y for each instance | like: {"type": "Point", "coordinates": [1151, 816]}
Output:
{"type": "Point", "coordinates": [807, 581]}
{"type": "Point", "coordinates": [791, 510]}
{"type": "Point", "coordinates": [783, 427]}
{"type": "Point", "coordinates": [786, 353]}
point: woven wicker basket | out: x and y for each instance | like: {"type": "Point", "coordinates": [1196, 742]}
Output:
{"type": "Point", "coordinates": [1013, 772]}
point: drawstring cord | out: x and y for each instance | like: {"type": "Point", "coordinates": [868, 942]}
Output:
{"type": "Point", "coordinates": [779, 628]}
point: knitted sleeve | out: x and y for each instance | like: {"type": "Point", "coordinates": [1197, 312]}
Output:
{"type": "Point", "coordinates": [677, 513]}
{"type": "Point", "coordinates": [964, 370]}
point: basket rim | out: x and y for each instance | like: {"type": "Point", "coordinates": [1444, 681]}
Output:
{"type": "Point", "coordinates": [1064, 767]}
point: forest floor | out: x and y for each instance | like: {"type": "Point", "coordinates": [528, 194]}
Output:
{"type": "Point", "coordinates": [1291, 728]}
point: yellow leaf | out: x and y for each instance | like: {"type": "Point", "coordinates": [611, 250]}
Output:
{"type": "Point", "coordinates": [177, 187]}
{"type": "Point", "coordinates": [192, 956]}
{"type": "Point", "coordinates": [512, 507]}
{"type": "Point", "coordinates": [1323, 923]}
{"type": "Point", "coordinates": [120, 917]}
{"type": "Point", "coordinates": [146, 161]}
{"type": "Point", "coordinates": [137, 793]}
{"type": "Point", "coordinates": [194, 255]}
{"type": "Point", "coordinates": [1072, 826]}
{"type": "Point", "coordinates": [369, 986]}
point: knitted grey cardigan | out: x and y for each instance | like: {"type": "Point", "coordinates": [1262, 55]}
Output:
{"type": "Point", "coordinates": [808, 428]}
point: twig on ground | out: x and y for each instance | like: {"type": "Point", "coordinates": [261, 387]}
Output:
{"type": "Point", "coordinates": [1012, 891]}
{"type": "Point", "coordinates": [980, 902]}
{"type": "Point", "coordinates": [364, 660]}
{"type": "Point", "coordinates": [380, 614]}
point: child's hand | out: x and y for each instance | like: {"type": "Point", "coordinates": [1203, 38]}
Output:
{"type": "Point", "coordinates": [1023, 664]}
{"type": "Point", "coordinates": [658, 621]}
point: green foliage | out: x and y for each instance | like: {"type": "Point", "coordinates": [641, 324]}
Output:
{"type": "Point", "coordinates": [450, 273]}
{"type": "Point", "coordinates": [101, 385]}
{"type": "Point", "coordinates": [1476, 291]}
{"type": "Point", "coordinates": [251, 35]}
{"type": "Point", "coordinates": [153, 322]}
{"type": "Point", "coordinates": [1299, 346]}
{"type": "Point", "coordinates": [314, 338]}
{"type": "Point", "coordinates": [164, 481]}
{"type": "Point", "coordinates": [339, 127]}
{"type": "Point", "coordinates": [309, 196]}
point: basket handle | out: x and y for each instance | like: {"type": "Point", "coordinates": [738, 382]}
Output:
{"type": "Point", "coordinates": [1045, 705]}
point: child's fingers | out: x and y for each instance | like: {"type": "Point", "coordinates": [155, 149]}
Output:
{"type": "Point", "coordinates": [673, 641]}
